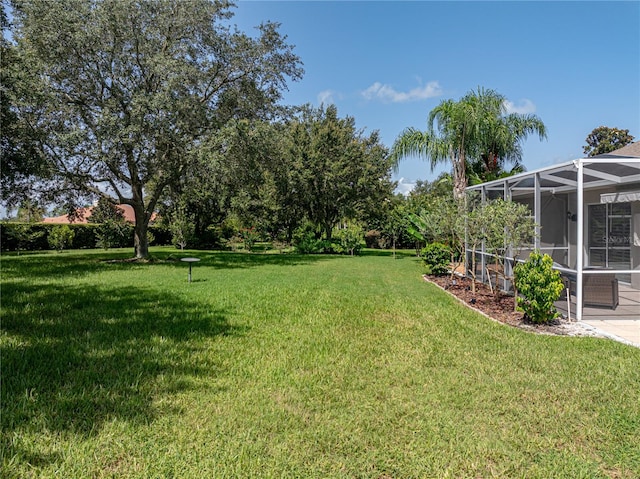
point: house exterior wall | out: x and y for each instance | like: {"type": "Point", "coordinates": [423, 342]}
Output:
{"type": "Point", "coordinates": [592, 197]}
{"type": "Point", "coordinates": [635, 244]}
{"type": "Point", "coordinates": [555, 225]}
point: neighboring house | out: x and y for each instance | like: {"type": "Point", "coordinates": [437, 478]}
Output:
{"type": "Point", "coordinates": [588, 212]}
{"type": "Point", "coordinates": [83, 216]}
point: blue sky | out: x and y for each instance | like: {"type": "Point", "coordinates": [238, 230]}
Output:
{"type": "Point", "coordinates": [387, 64]}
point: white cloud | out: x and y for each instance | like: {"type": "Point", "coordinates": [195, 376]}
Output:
{"type": "Point", "coordinates": [405, 186]}
{"type": "Point", "coordinates": [326, 97]}
{"type": "Point", "coordinates": [387, 93]}
{"type": "Point", "coordinates": [525, 107]}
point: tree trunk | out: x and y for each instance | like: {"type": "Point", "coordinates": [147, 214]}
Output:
{"type": "Point", "coordinates": [328, 229]}
{"type": "Point", "coordinates": [459, 184]}
{"type": "Point", "coordinates": [473, 272]}
{"type": "Point", "coordinates": [140, 240]}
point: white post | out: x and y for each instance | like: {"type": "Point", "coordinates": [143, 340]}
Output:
{"type": "Point", "coordinates": [483, 246]}
{"type": "Point", "coordinates": [537, 214]}
{"type": "Point", "coordinates": [580, 240]}
{"type": "Point", "coordinates": [508, 250]}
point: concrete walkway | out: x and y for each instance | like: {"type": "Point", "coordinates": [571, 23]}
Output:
{"type": "Point", "coordinates": [624, 330]}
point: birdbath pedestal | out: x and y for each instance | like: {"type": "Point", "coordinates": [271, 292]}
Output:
{"type": "Point", "coordinates": [190, 261]}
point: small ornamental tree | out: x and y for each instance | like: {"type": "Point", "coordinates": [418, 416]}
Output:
{"type": "Point", "coordinates": [181, 226]}
{"type": "Point", "coordinates": [540, 287]}
{"type": "Point", "coordinates": [60, 237]}
{"type": "Point", "coordinates": [437, 258]}
{"type": "Point", "coordinates": [249, 238]}
{"type": "Point", "coordinates": [112, 226]}
{"type": "Point", "coordinates": [509, 229]}
{"type": "Point", "coordinates": [476, 222]}
{"type": "Point", "coordinates": [396, 223]}
{"type": "Point", "coordinates": [350, 238]}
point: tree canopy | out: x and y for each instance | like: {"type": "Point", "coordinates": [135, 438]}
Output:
{"type": "Point", "coordinates": [338, 171]}
{"type": "Point", "coordinates": [122, 93]}
{"type": "Point", "coordinates": [605, 140]}
{"type": "Point", "coordinates": [20, 158]}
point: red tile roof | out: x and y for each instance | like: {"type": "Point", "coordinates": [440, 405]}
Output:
{"type": "Point", "coordinates": [83, 216]}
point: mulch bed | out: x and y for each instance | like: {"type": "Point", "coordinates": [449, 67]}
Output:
{"type": "Point", "coordinates": [499, 308]}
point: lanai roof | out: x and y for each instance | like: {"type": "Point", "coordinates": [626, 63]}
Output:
{"type": "Point", "coordinates": [620, 167]}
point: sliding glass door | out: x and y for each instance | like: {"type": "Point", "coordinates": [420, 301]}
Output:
{"type": "Point", "coordinates": [609, 237]}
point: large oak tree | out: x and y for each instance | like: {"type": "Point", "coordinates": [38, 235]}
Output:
{"type": "Point", "coordinates": [338, 172]}
{"type": "Point", "coordinates": [128, 90]}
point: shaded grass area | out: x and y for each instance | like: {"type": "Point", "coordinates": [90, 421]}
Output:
{"type": "Point", "coordinates": [293, 366]}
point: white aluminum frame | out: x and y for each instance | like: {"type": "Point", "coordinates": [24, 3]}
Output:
{"type": "Point", "coordinates": [576, 176]}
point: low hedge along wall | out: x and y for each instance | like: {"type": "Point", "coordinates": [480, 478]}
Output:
{"type": "Point", "coordinates": [34, 236]}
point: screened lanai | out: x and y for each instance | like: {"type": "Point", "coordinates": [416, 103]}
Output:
{"type": "Point", "coordinates": [588, 217]}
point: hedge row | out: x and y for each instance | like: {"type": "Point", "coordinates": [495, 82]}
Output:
{"type": "Point", "coordinates": [35, 236]}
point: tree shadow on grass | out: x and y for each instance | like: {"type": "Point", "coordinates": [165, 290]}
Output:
{"type": "Point", "coordinates": [76, 358]}
{"type": "Point", "coordinates": [235, 260]}
{"type": "Point", "coordinates": [399, 254]}
{"type": "Point", "coordinates": [78, 265]}
{"type": "Point", "coordinates": [53, 265]}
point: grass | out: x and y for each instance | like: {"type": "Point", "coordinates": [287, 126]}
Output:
{"type": "Point", "coordinates": [271, 365]}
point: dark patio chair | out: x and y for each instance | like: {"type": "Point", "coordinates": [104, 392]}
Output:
{"type": "Point", "coordinates": [600, 290]}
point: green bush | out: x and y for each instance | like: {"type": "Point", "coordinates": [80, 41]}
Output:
{"type": "Point", "coordinates": [249, 238]}
{"type": "Point", "coordinates": [84, 236]}
{"type": "Point", "coordinates": [161, 235]}
{"type": "Point", "coordinates": [372, 239]}
{"type": "Point", "coordinates": [309, 244]}
{"type": "Point", "coordinates": [436, 257]}
{"type": "Point", "coordinates": [19, 236]}
{"type": "Point", "coordinates": [113, 233]}
{"type": "Point", "coordinates": [539, 286]}
{"type": "Point", "coordinates": [60, 237]}
{"type": "Point", "coordinates": [349, 240]}
{"type": "Point", "coordinates": [307, 241]}
{"type": "Point", "coordinates": [15, 236]}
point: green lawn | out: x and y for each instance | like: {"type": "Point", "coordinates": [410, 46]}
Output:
{"type": "Point", "coordinates": [284, 366]}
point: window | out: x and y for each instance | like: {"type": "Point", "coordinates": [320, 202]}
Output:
{"type": "Point", "coordinates": [609, 236]}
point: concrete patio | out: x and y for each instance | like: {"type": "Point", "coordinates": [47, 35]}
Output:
{"type": "Point", "coordinates": [621, 323]}
{"type": "Point", "coordinates": [623, 330]}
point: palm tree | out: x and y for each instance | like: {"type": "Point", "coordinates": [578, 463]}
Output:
{"type": "Point", "coordinates": [453, 119]}
{"type": "Point", "coordinates": [476, 130]}
{"type": "Point", "coordinates": [499, 135]}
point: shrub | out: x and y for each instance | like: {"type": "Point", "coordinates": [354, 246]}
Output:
{"type": "Point", "coordinates": [436, 257]}
{"type": "Point", "coordinates": [15, 236]}
{"type": "Point", "coordinates": [539, 286]}
{"type": "Point", "coordinates": [306, 240]}
{"type": "Point", "coordinates": [349, 239]}
{"type": "Point", "coordinates": [249, 238]}
{"type": "Point", "coordinates": [60, 237]}
{"type": "Point", "coordinates": [309, 244]}
{"type": "Point", "coordinates": [113, 233]}
{"type": "Point", "coordinates": [84, 236]}
{"type": "Point", "coordinates": [161, 235]}
{"type": "Point", "coordinates": [23, 236]}
{"type": "Point", "coordinates": [372, 239]}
